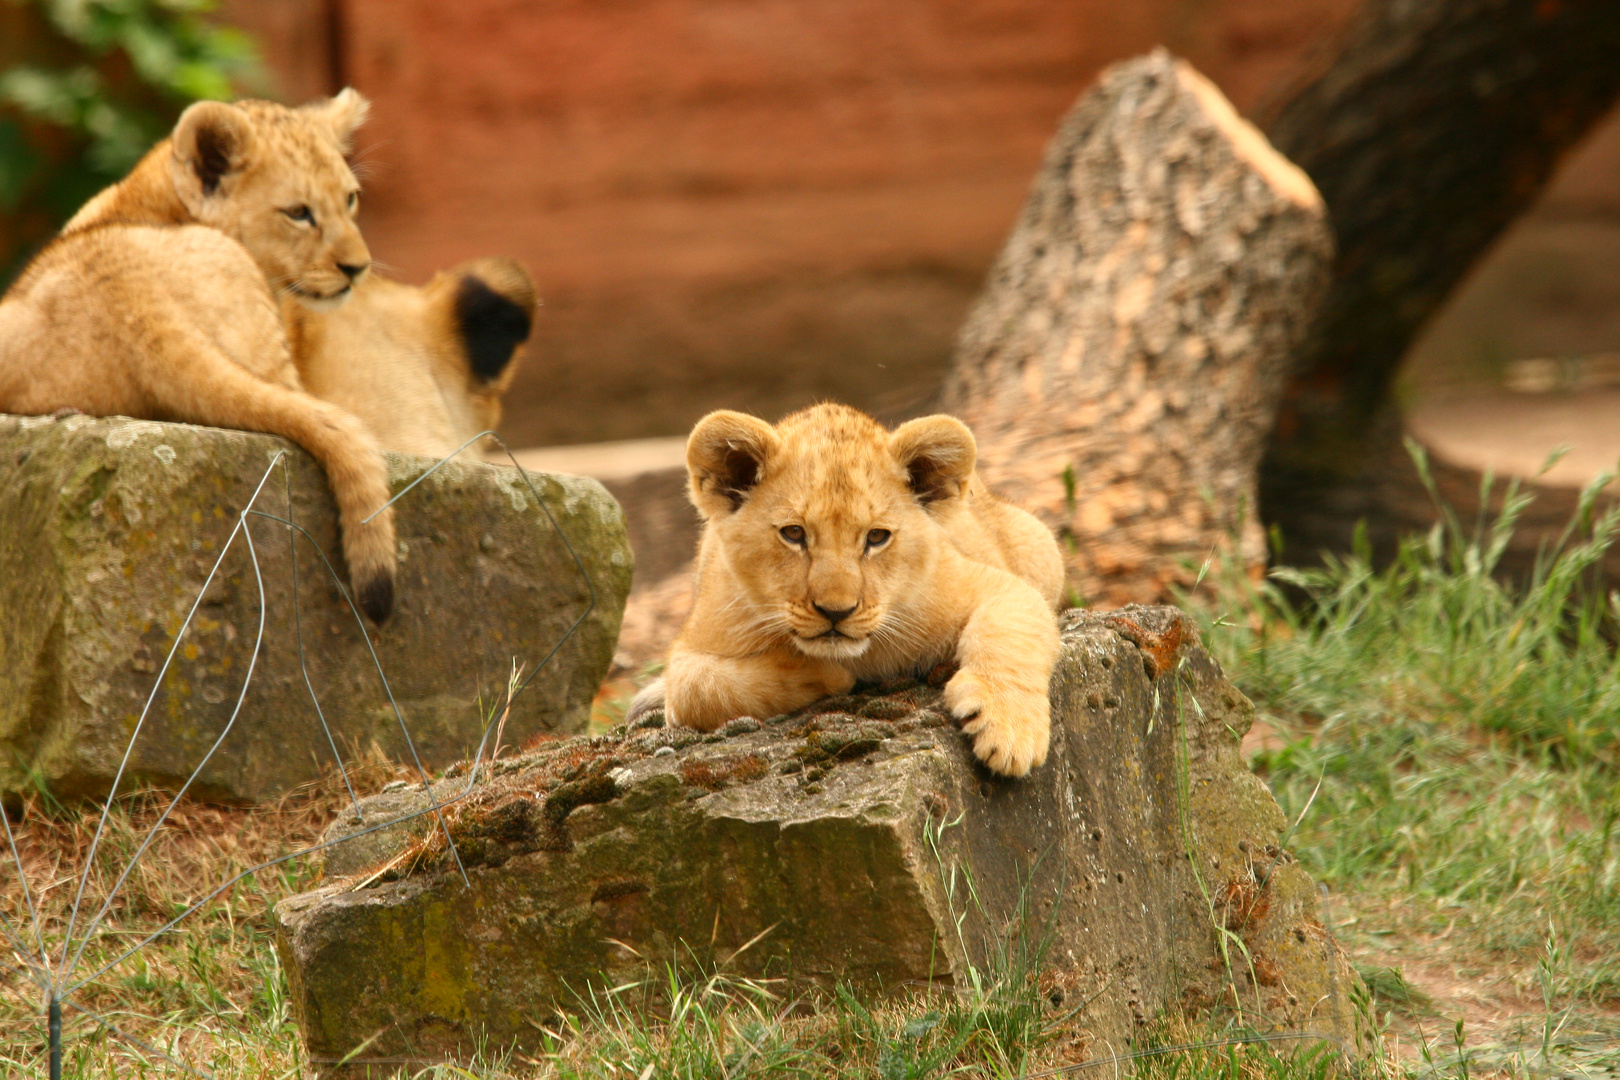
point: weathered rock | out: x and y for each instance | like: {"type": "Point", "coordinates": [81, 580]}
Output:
{"type": "Point", "coordinates": [111, 526]}
{"type": "Point", "coordinates": [845, 838]}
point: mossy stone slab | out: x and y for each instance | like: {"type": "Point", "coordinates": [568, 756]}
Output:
{"type": "Point", "coordinates": [109, 528]}
{"type": "Point", "coordinates": [855, 842]}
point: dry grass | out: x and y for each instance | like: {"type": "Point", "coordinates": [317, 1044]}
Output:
{"type": "Point", "coordinates": [200, 989]}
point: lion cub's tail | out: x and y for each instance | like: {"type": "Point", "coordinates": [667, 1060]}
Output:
{"type": "Point", "coordinates": [205, 387]}
{"type": "Point", "coordinates": [359, 480]}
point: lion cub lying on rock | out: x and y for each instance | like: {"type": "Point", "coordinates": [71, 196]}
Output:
{"type": "Point", "coordinates": [160, 298]}
{"type": "Point", "coordinates": [834, 550]}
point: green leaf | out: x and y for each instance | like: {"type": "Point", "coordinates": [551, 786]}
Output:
{"type": "Point", "coordinates": [19, 164]}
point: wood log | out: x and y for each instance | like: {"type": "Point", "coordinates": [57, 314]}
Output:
{"type": "Point", "coordinates": [1122, 367]}
{"type": "Point", "coordinates": [1433, 127]}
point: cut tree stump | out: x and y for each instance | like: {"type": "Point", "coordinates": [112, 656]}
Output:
{"type": "Point", "coordinates": [1122, 367]}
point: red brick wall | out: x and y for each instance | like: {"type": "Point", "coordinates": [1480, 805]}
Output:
{"type": "Point", "coordinates": [743, 203]}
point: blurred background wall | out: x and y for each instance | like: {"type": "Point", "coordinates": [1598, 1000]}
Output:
{"type": "Point", "coordinates": [748, 202]}
{"type": "Point", "coordinates": [757, 203]}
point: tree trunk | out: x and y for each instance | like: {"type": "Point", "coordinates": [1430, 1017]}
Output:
{"type": "Point", "coordinates": [1122, 367]}
{"type": "Point", "coordinates": [1437, 124]}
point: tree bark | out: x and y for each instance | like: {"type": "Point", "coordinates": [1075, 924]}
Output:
{"type": "Point", "coordinates": [1122, 366]}
{"type": "Point", "coordinates": [1435, 126]}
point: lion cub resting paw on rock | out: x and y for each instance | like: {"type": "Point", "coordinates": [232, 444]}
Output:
{"type": "Point", "coordinates": [834, 550]}
{"type": "Point", "coordinates": [160, 298]}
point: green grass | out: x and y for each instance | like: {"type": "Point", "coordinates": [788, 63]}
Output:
{"type": "Point", "coordinates": [1460, 737]}
{"type": "Point", "coordinates": [1449, 745]}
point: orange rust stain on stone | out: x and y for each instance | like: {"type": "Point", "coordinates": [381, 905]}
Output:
{"type": "Point", "coordinates": [1160, 650]}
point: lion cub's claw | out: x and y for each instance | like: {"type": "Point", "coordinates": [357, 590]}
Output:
{"type": "Point", "coordinates": [369, 551]}
{"type": "Point", "coordinates": [1010, 728]}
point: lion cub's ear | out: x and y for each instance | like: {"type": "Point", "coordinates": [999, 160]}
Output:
{"type": "Point", "coordinates": [726, 455]}
{"type": "Point", "coordinates": [938, 454]}
{"type": "Point", "coordinates": [211, 144]}
{"type": "Point", "coordinates": [344, 112]}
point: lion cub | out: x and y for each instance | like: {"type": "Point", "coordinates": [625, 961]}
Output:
{"type": "Point", "coordinates": [422, 367]}
{"type": "Point", "coordinates": [834, 550]}
{"type": "Point", "coordinates": [160, 299]}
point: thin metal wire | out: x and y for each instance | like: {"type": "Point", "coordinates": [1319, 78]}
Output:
{"type": "Point", "coordinates": [57, 985]}
{"type": "Point", "coordinates": [39, 973]}
{"type": "Point", "coordinates": [298, 630]}
{"type": "Point", "coordinates": [399, 716]}
{"type": "Point", "coordinates": [139, 1044]}
{"type": "Point", "coordinates": [528, 482]}
{"type": "Point", "coordinates": [441, 463]}
{"type": "Point", "coordinates": [131, 1039]}
{"type": "Point", "coordinates": [579, 564]}
{"type": "Point", "coordinates": [157, 682]}
{"type": "Point", "coordinates": [172, 923]}
{"type": "Point", "coordinates": [22, 876]}
{"type": "Point", "coordinates": [68, 971]}
{"type": "Point", "coordinates": [247, 680]}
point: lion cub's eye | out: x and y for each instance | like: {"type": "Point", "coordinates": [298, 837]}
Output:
{"type": "Point", "coordinates": [877, 538]}
{"type": "Point", "coordinates": [793, 534]}
{"type": "Point", "coordinates": [354, 201]}
{"type": "Point", "coordinates": [300, 213]}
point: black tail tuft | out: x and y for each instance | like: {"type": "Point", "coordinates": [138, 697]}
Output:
{"type": "Point", "coordinates": [492, 326]}
{"type": "Point", "coordinates": [376, 598]}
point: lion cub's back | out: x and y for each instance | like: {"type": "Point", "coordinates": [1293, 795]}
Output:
{"type": "Point", "coordinates": [1015, 540]}
{"type": "Point", "coordinates": [375, 357]}
{"type": "Point", "coordinates": [98, 307]}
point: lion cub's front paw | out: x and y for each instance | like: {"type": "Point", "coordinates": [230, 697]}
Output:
{"type": "Point", "coordinates": [1011, 728]}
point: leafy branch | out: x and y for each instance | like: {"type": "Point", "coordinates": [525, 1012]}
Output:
{"type": "Point", "coordinates": [86, 87]}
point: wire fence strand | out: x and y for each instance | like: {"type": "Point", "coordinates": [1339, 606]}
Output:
{"type": "Point", "coordinates": [57, 980]}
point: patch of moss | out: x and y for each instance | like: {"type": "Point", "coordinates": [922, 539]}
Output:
{"type": "Point", "coordinates": [716, 774]}
{"type": "Point", "coordinates": [598, 787]}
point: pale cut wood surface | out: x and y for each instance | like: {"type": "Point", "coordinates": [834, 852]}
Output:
{"type": "Point", "coordinates": [1122, 367]}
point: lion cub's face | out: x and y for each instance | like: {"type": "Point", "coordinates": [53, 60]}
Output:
{"type": "Point", "coordinates": [275, 179]}
{"type": "Point", "coordinates": [825, 520]}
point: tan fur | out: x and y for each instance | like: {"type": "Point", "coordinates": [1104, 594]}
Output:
{"type": "Point", "coordinates": [963, 577]}
{"type": "Point", "coordinates": [397, 357]}
{"type": "Point", "coordinates": [160, 298]}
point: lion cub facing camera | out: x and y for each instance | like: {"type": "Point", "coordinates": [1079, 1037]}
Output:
{"type": "Point", "coordinates": [834, 550]}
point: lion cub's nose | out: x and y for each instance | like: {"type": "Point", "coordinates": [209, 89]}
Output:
{"type": "Point", "coordinates": [353, 270]}
{"type": "Point", "coordinates": [835, 617]}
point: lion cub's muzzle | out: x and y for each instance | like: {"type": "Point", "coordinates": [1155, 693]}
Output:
{"type": "Point", "coordinates": [839, 636]}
